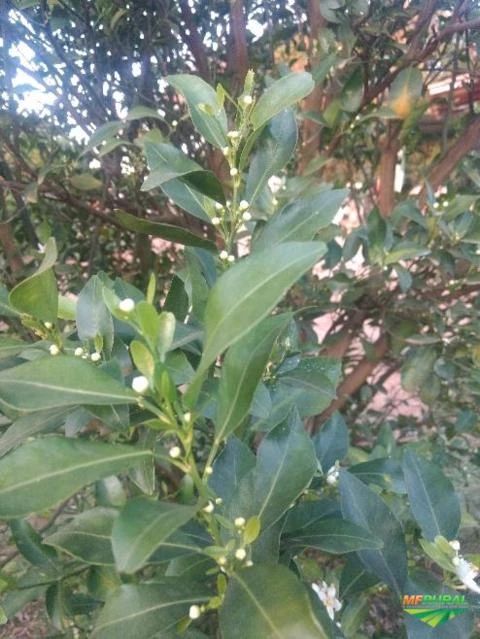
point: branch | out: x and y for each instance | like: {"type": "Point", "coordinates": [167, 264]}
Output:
{"type": "Point", "coordinates": [194, 41]}
{"type": "Point", "coordinates": [239, 53]}
{"type": "Point", "coordinates": [386, 171]}
{"type": "Point", "coordinates": [451, 158]}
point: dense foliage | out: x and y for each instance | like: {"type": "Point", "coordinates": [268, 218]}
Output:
{"type": "Point", "coordinates": [196, 457]}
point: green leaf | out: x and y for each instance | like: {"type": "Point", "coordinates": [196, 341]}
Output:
{"type": "Point", "coordinates": [242, 370]}
{"type": "Point", "coordinates": [6, 309]}
{"type": "Point", "coordinates": [268, 602]}
{"type": "Point", "coordinates": [166, 163]}
{"type": "Point", "coordinates": [145, 610]}
{"type": "Point", "coordinates": [39, 474]}
{"type": "Point", "coordinates": [405, 90]}
{"type": "Point", "coordinates": [103, 133]}
{"type": "Point", "coordinates": [418, 368]}
{"type": "Point", "coordinates": [139, 112]}
{"type": "Point", "coordinates": [307, 513]}
{"type": "Point", "coordinates": [29, 543]}
{"type": "Point", "coordinates": [10, 346]}
{"type": "Point", "coordinates": [355, 578]}
{"type": "Point", "coordinates": [331, 442]}
{"type": "Point", "coordinates": [301, 220]}
{"type": "Point", "coordinates": [188, 198]}
{"type": "Point", "coordinates": [29, 425]}
{"type": "Point", "coordinates": [93, 317]}
{"type": "Point", "coordinates": [383, 471]}
{"type": "Point", "coordinates": [335, 536]}
{"type": "Point", "coordinates": [141, 527]}
{"type": "Point", "coordinates": [274, 149]}
{"type": "Point", "coordinates": [432, 497]}
{"type": "Point", "coordinates": [281, 94]}
{"type": "Point", "coordinates": [233, 463]}
{"type": "Point", "coordinates": [364, 507]}
{"type": "Point", "coordinates": [87, 537]}
{"type": "Point", "coordinates": [285, 466]}
{"type": "Point", "coordinates": [247, 292]}
{"type": "Point", "coordinates": [86, 182]}
{"type": "Point", "coordinates": [52, 382]}
{"type": "Point", "coordinates": [160, 229]}
{"type": "Point", "coordinates": [405, 250]}
{"type": "Point", "coordinates": [37, 295]}
{"type": "Point", "coordinates": [211, 122]}
{"type": "Point", "coordinates": [312, 384]}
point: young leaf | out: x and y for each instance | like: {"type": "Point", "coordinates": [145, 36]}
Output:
{"type": "Point", "coordinates": [300, 220]}
{"type": "Point", "coordinates": [145, 610]}
{"type": "Point", "coordinates": [39, 474]}
{"type": "Point", "coordinates": [331, 442]}
{"type": "Point", "coordinates": [336, 536]}
{"type": "Point", "coordinates": [268, 602]}
{"type": "Point", "coordinates": [29, 542]}
{"type": "Point", "coordinates": [281, 94]}
{"type": "Point", "coordinates": [246, 293]}
{"type": "Point", "coordinates": [141, 527]}
{"type": "Point", "coordinates": [52, 382]}
{"type": "Point", "coordinates": [365, 508]}
{"type": "Point", "coordinates": [37, 295]}
{"type": "Point", "coordinates": [242, 370]}
{"type": "Point", "coordinates": [161, 229]}
{"type": "Point", "coordinates": [432, 497]}
{"type": "Point", "coordinates": [87, 537]}
{"type": "Point", "coordinates": [211, 122]}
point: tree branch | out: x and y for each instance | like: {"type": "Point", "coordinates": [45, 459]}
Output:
{"type": "Point", "coordinates": [239, 53]}
{"type": "Point", "coordinates": [194, 41]}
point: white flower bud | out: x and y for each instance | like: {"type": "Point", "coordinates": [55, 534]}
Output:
{"type": "Point", "coordinates": [226, 150]}
{"type": "Point", "coordinates": [187, 417]}
{"type": "Point", "coordinates": [223, 255]}
{"type": "Point", "coordinates": [246, 217]}
{"type": "Point", "coordinates": [174, 452]}
{"type": "Point", "coordinates": [219, 206]}
{"type": "Point", "coordinates": [54, 350]}
{"type": "Point", "coordinates": [48, 326]}
{"type": "Point", "coordinates": [240, 522]}
{"type": "Point", "coordinates": [233, 171]}
{"type": "Point", "coordinates": [243, 206]}
{"type": "Point", "coordinates": [247, 100]}
{"type": "Point", "coordinates": [127, 305]}
{"type": "Point", "coordinates": [249, 563]}
{"type": "Point", "coordinates": [174, 123]}
{"type": "Point", "coordinates": [221, 561]}
{"type": "Point", "coordinates": [219, 500]}
{"type": "Point", "coordinates": [240, 554]}
{"type": "Point", "coordinates": [233, 135]}
{"type": "Point", "coordinates": [95, 357]}
{"type": "Point", "coordinates": [209, 471]}
{"type": "Point", "coordinates": [209, 507]}
{"type": "Point", "coordinates": [455, 544]}
{"type": "Point", "coordinates": [78, 352]}
{"type": "Point", "coordinates": [140, 384]}
{"type": "Point", "coordinates": [216, 221]}
{"type": "Point", "coordinates": [194, 612]}
{"type": "Point", "coordinates": [231, 258]}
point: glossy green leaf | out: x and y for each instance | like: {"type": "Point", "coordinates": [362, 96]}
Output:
{"type": "Point", "coordinates": [211, 120]}
{"type": "Point", "coordinates": [141, 527]}
{"type": "Point", "coordinates": [93, 318]}
{"type": "Point", "coordinates": [331, 442]}
{"type": "Point", "coordinates": [145, 610]}
{"type": "Point", "coordinates": [336, 536]}
{"type": "Point", "coordinates": [86, 182]}
{"type": "Point", "coordinates": [87, 537]}
{"type": "Point", "coordinates": [274, 149]}
{"type": "Point", "coordinates": [141, 111]}
{"type": "Point", "coordinates": [52, 382]}
{"type": "Point", "coordinates": [405, 250]}
{"type": "Point", "coordinates": [233, 463]}
{"type": "Point", "coordinates": [364, 507]}
{"type": "Point", "coordinates": [247, 292]}
{"type": "Point", "coordinates": [283, 93]}
{"type": "Point", "coordinates": [300, 220]}
{"type": "Point", "coordinates": [268, 602]}
{"type": "Point", "coordinates": [37, 295]}
{"type": "Point", "coordinates": [285, 466]}
{"type": "Point", "coordinates": [383, 471]}
{"type": "Point", "coordinates": [39, 474]}
{"type": "Point", "coordinates": [103, 133]}
{"type": "Point", "coordinates": [161, 229]}
{"type": "Point", "coordinates": [10, 346]}
{"type": "Point", "coordinates": [188, 198]}
{"type": "Point", "coordinates": [355, 578]}
{"type": "Point", "coordinates": [242, 370]}
{"type": "Point", "coordinates": [432, 498]}
{"type": "Point", "coordinates": [29, 425]}
{"type": "Point", "coordinates": [307, 513]}
{"type": "Point", "coordinates": [312, 384]}
{"type": "Point", "coordinates": [166, 163]}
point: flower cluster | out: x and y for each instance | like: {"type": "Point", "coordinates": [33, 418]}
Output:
{"type": "Point", "coordinates": [328, 596]}
{"type": "Point", "coordinates": [464, 569]}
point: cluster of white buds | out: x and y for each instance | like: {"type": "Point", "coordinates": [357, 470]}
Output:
{"type": "Point", "coordinates": [226, 257]}
{"type": "Point", "coordinates": [333, 474]}
{"type": "Point", "coordinates": [95, 357]}
{"type": "Point", "coordinates": [246, 100]}
{"type": "Point", "coordinates": [233, 135]}
{"type": "Point", "coordinates": [464, 569]}
{"type": "Point", "coordinates": [328, 596]}
{"type": "Point", "coordinates": [243, 206]}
